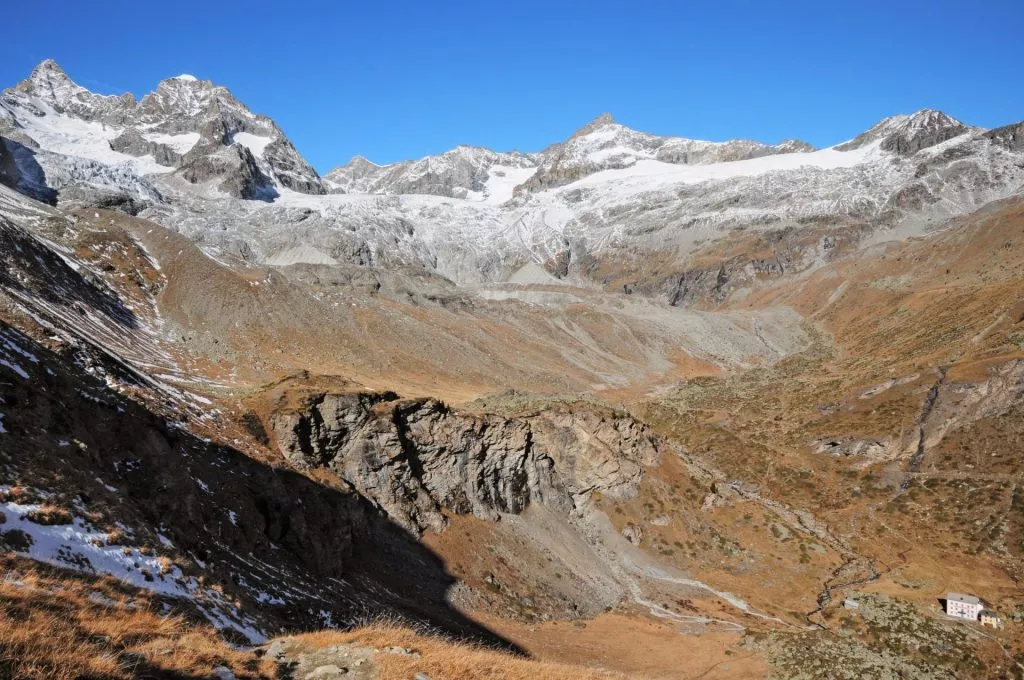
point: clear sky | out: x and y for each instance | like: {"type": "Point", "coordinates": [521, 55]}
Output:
{"type": "Point", "coordinates": [402, 79]}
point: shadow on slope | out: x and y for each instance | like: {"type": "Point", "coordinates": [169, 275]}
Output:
{"type": "Point", "coordinates": [28, 268]}
{"type": "Point", "coordinates": [290, 553]}
{"type": "Point", "coordinates": [20, 170]}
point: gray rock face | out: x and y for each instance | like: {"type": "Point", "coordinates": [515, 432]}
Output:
{"type": "Point", "coordinates": [290, 168]}
{"type": "Point", "coordinates": [871, 449]}
{"type": "Point", "coordinates": [236, 168]}
{"type": "Point", "coordinates": [20, 171]}
{"type": "Point", "coordinates": [50, 85]}
{"type": "Point", "coordinates": [417, 458]}
{"type": "Point", "coordinates": [1010, 137]}
{"type": "Point", "coordinates": [923, 130]}
{"type": "Point", "coordinates": [133, 143]}
{"type": "Point", "coordinates": [358, 175]}
{"type": "Point", "coordinates": [907, 134]}
{"type": "Point", "coordinates": [310, 437]}
{"type": "Point", "coordinates": [8, 169]}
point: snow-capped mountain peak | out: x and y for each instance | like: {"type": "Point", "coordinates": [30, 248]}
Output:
{"type": "Point", "coordinates": [604, 144]}
{"type": "Point", "coordinates": [603, 120]}
{"type": "Point", "coordinates": [50, 86]}
{"type": "Point", "coordinates": [462, 172]}
{"type": "Point", "coordinates": [906, 134]}
{"type": "Point", "coordinates": [186, 125]}
{"type": "Point", "coordinates": [187, 151]}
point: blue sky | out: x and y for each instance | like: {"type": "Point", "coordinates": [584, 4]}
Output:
{"type": "Point", "coordinates": [395, 80]}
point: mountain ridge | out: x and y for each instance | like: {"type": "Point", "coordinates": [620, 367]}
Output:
{"type": "Point", "coordinates": [189, 150]}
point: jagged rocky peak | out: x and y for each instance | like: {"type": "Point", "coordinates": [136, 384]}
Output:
{"type": "Point", "coordinates": [179, 96]}
{"type": "Point", "coordinates": [356, 176]}
{"type": "Point", "coordinates": [906, 134]}
{"type": "Point", "coordinates": [604, 144]}
{"type": "Point", "coordinates": [185, 125]}
{"type": "Point", "coordinates": [604, 120]}
{"type": "Point", "coordinates": [454, 173]}
{"type": "Point", "coordinates": [795, 146]}
{"type": "Point", "coordinates": [50, 85]}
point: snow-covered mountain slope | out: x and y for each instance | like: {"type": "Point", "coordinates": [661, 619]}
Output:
{"type": "Point", "coordinates": [468, 172]}
{"type": "Point", "coordinates": [480, 174]}
{"type": "Point", "coordinates": [607, 145]}
{"type": "Point", "coordinates": [906, 135]}
{"type": "Point", "coordinates": [619, 213]}
{"type": "Point", "coordinates": [191, 157]}
{"type": "Point", "coordinates": [187, 126]}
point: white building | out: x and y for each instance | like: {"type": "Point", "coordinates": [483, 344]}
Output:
{"type": "Point", "coordinates": [963, 606]}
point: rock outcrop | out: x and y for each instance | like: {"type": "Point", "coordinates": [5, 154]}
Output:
{"type": "Point", "coordinates": [133, 143]}
{"type": "Point", "coordinates": [234, 166]}
{"type": "Point", "coordinates": [418, 458]}
{"type": "Point", "coordinates": [20, 171]}
{"type": "Point", "coordinates": [905, 135]}
{"type": "Point", "coordinates": [1010, 137]}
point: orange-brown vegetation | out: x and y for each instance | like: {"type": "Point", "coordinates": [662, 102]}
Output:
{"type": "Point", "coordinates": [64, 626]}
{"type": "Point", "coordinates": [442, 659]}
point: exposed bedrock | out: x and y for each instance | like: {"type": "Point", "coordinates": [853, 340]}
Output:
{"type": "Point", "coordinates": [418, 458]}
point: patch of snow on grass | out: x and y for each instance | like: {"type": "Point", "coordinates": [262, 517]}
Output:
{"type": "Point", "coordinates": [79, 546]}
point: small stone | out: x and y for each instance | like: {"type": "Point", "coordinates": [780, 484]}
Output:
{"type": "Point", "coordinates": [421, 676]}
{"type": "Point", "coordinates": [633, 533]}
{"type": "Point", "coordinates": [276, 649]}
{"type": "Point", "coordinates": [326, 672]}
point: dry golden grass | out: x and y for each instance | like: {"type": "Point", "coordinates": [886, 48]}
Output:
{"type": "Point", "coordinates": [61, 626]}
{"type": "Point", "coordinates": [49, 515]}
{"type": "Point", "coordinates": [443, 659]}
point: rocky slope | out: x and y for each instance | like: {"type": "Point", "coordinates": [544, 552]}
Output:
{"type": "Point", "coordinates": [418, 459]}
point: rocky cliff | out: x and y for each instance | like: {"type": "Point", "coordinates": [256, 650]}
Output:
{"type": "Point", "coordinates": [419, 459]}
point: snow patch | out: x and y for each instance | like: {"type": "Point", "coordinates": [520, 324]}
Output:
{"type": "Point", "coordinates": [254, 143]}
{"type": "Point", "coordinates": [180, 143]}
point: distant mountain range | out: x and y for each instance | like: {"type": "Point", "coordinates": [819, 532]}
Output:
{"type": "Point", "coordinates": [192, 155]}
